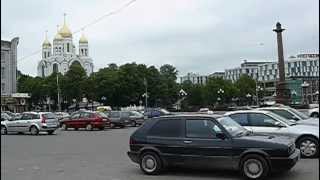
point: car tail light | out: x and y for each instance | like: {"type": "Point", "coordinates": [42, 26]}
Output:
{"type": "Point", "coordinates": [131, 141]}
{"type": "Point", "coordinates": [43, 119]}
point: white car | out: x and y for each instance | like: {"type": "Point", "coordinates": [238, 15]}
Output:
{"type": "Point", "coordinates": [264, 122]}
{"type": "Point", "coordinates": [292, 114]}
{"type": "Point", "coordinates": [314, 112]}
{"type": "Point", "coordinates": [32, 122]}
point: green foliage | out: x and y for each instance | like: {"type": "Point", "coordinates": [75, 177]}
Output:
{"type": "Point", "coordinates": [124, 85]}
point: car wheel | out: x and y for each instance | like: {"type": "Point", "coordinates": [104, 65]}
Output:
{"type": "Point", "coordinates": [254, 167]}
{"type": "Point", "coordinates": [4, 130]}
{"type": "Point", "coordinates": [101, 128]}
{"type": "Point", "coordinates": [314, 115]}
{"type": "Point", "coordinates": [76, 129]}
{"type": "Point", "coordinates": [34, 130]}
{"type": "Point", "coordinates": [89, 127]}
{"type": "Point", "coordinates": [50, 132]}
{"type": "Point", "coordinates": [150, 163]}
{"type": "Point", "coordinates": [64, 127]}
{"type": "Point", "coordinates": [309, 147]}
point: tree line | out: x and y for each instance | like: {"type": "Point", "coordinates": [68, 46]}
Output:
{"type": "Point", "coordinates": [124, 85]}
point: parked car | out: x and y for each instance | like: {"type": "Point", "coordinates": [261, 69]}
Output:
{"type": "Point", "coordinates": [33, 122]}
{"type": "Point", "coordinates": [5, 116]}
{"type": "Point", "coordinates": [314, 112]}
{"type": "Point", "coordinates": [208, 141]}
{"type": "Point", "coordinates": [86, 119]}
{"type": "Point", "coordinates": [265, 122]}
{"type": "Point", "coordinates": [156, 112]}
{"type": "Point", "coordinates": [62, 115]}
{"type": "Point", "coordinates": [119, 118]}
{"type": "Point", "coordinates": [292, 114]}
{"type": "Point", "coordinates": [136, 118]}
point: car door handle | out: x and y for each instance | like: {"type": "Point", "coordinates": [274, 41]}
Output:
{"type": "Point", "coordinates": [187, 142]}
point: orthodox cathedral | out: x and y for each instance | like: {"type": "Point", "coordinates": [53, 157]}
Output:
{"type": "Point", "coordinates": [59, 56]}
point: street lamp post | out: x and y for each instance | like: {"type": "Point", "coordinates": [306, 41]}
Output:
{"type": "Point", "coordinates": [220, 93]}
{"type": "Point", "coordinates": [103, 99]}
{"type": "Point", "coordinates": [248, 96]}
{"type": "Point", "coordinates": [258, 88]}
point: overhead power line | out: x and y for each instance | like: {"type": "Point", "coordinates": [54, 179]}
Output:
{"type": "Point", "coordinates": [116, 11]}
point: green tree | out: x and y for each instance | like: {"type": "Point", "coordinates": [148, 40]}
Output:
{"type": "Point", "coordinates": [168, 85]}
{"type": "Point", "coordinates": [73, 81]}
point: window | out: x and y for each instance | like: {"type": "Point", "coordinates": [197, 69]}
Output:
{"type": "Point", "coordinates": [85, 115]}
{"type": "Point", "coordinates": [75, 116]}
{"type": "Point", "coordinates": [201, 129]}
{"type": "Point", "coordinates": [81, 51]}
{"type": "Point", "coordinates": [68, 47]}
{"type": "Point", "coordinates": [167, 128]}
{"type": "Point", "coordinates": [28, 116]}
{"type": "Point", "coordinates": [49, 116]}
{"type": "Point", "coordinates": [55, 68]}
{"type": "Point", "coordinates": [283, 113]}
{"type": "Point", "coordinates": [258, 119]}
{"type": "Point", "coordinates": [125, 114]}
{"type": "Point", "coordinates": [115, 114]}
{"type": "Point", "coordinates": [42, 70]}
{"type": "Point", "coordinates": [240, 118]}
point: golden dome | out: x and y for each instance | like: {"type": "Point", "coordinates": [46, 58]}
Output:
{"type": "Point", "coordinates": [83, 39]}
{"type": "Point", "coordinates": [46, 42]}
{"type": "Point", "coordinates": [65, 31]}
{"type": "Point", "coordinates": [58, 36]}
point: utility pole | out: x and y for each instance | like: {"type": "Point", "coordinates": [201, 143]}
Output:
{"type": "Point", "coordinates": [146, 92]}
{"type": "Point", "coordinates": [58, 90]}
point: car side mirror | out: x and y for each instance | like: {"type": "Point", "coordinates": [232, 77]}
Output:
{"type": "Point", "coordinates": [221, 136]}
{"type": "Point", "coordinates": [278, 124]}
{"type": "Point", "coordinates": [295, 119]}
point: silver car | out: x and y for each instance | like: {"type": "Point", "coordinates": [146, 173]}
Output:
{"type": "Point", "coordinates": [292, 114]}
{"type": "Point", "coordinates": [33, 122]}
{"type": "Point", "coordinates": [265, 122]}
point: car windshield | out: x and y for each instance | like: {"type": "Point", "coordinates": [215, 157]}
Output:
{"type": "Point", "coordinates": [164, 111]}
{"type": "Point", "coordinates": [282, 119]}
{"type": "Point", "coordinates": [115, 114]}
{"type": "Point", "coordinates": [231, 126]}
{"type": "Point", "coordinates": [297, 113]}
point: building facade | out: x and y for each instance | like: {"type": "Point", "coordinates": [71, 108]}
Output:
{"type": "Point", "coordinates": [194, 78]}
{"type": "Point", "coordinates": [10, 99]}
{"type": "Point", "coordinates": [9, 66]}
{"type": "Point", "coordinates": [246, 68]}
{"type": "Point", "coordinates": [61, 54]}
{"type": "Point", "coordinates": [302, 66]}
{"type": "Point", "coordinates": [299, 70]}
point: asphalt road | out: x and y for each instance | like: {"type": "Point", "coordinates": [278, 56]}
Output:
{"type": "Point", "coordinates": [100, 155]}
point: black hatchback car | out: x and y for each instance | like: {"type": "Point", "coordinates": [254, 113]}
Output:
{"type": "Point", "coordinates": [208, 141]}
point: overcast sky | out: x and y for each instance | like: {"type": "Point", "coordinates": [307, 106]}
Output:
{"type": "Point", "coordinates": [201, 36]}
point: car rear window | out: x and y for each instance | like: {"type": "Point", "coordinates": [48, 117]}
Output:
{"type": "Point", "coordinates": [167, 128]}
{"type": "Point", "coordinates": [114, 114]}
{"type": "Point", "coordinates": [49, 115]}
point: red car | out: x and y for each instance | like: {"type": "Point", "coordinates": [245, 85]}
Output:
{"type": "Point", "coordinates": [86, 119]}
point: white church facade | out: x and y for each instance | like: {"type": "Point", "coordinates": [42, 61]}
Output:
{"type": "Point", "coordinates": [59, 56]}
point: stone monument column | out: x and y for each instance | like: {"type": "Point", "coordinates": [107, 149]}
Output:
{"type": "Point", "coordinates": [281, 88]}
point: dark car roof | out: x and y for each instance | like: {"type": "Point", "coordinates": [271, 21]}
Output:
{"type": "Point", "coordinates": [192, 115]}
